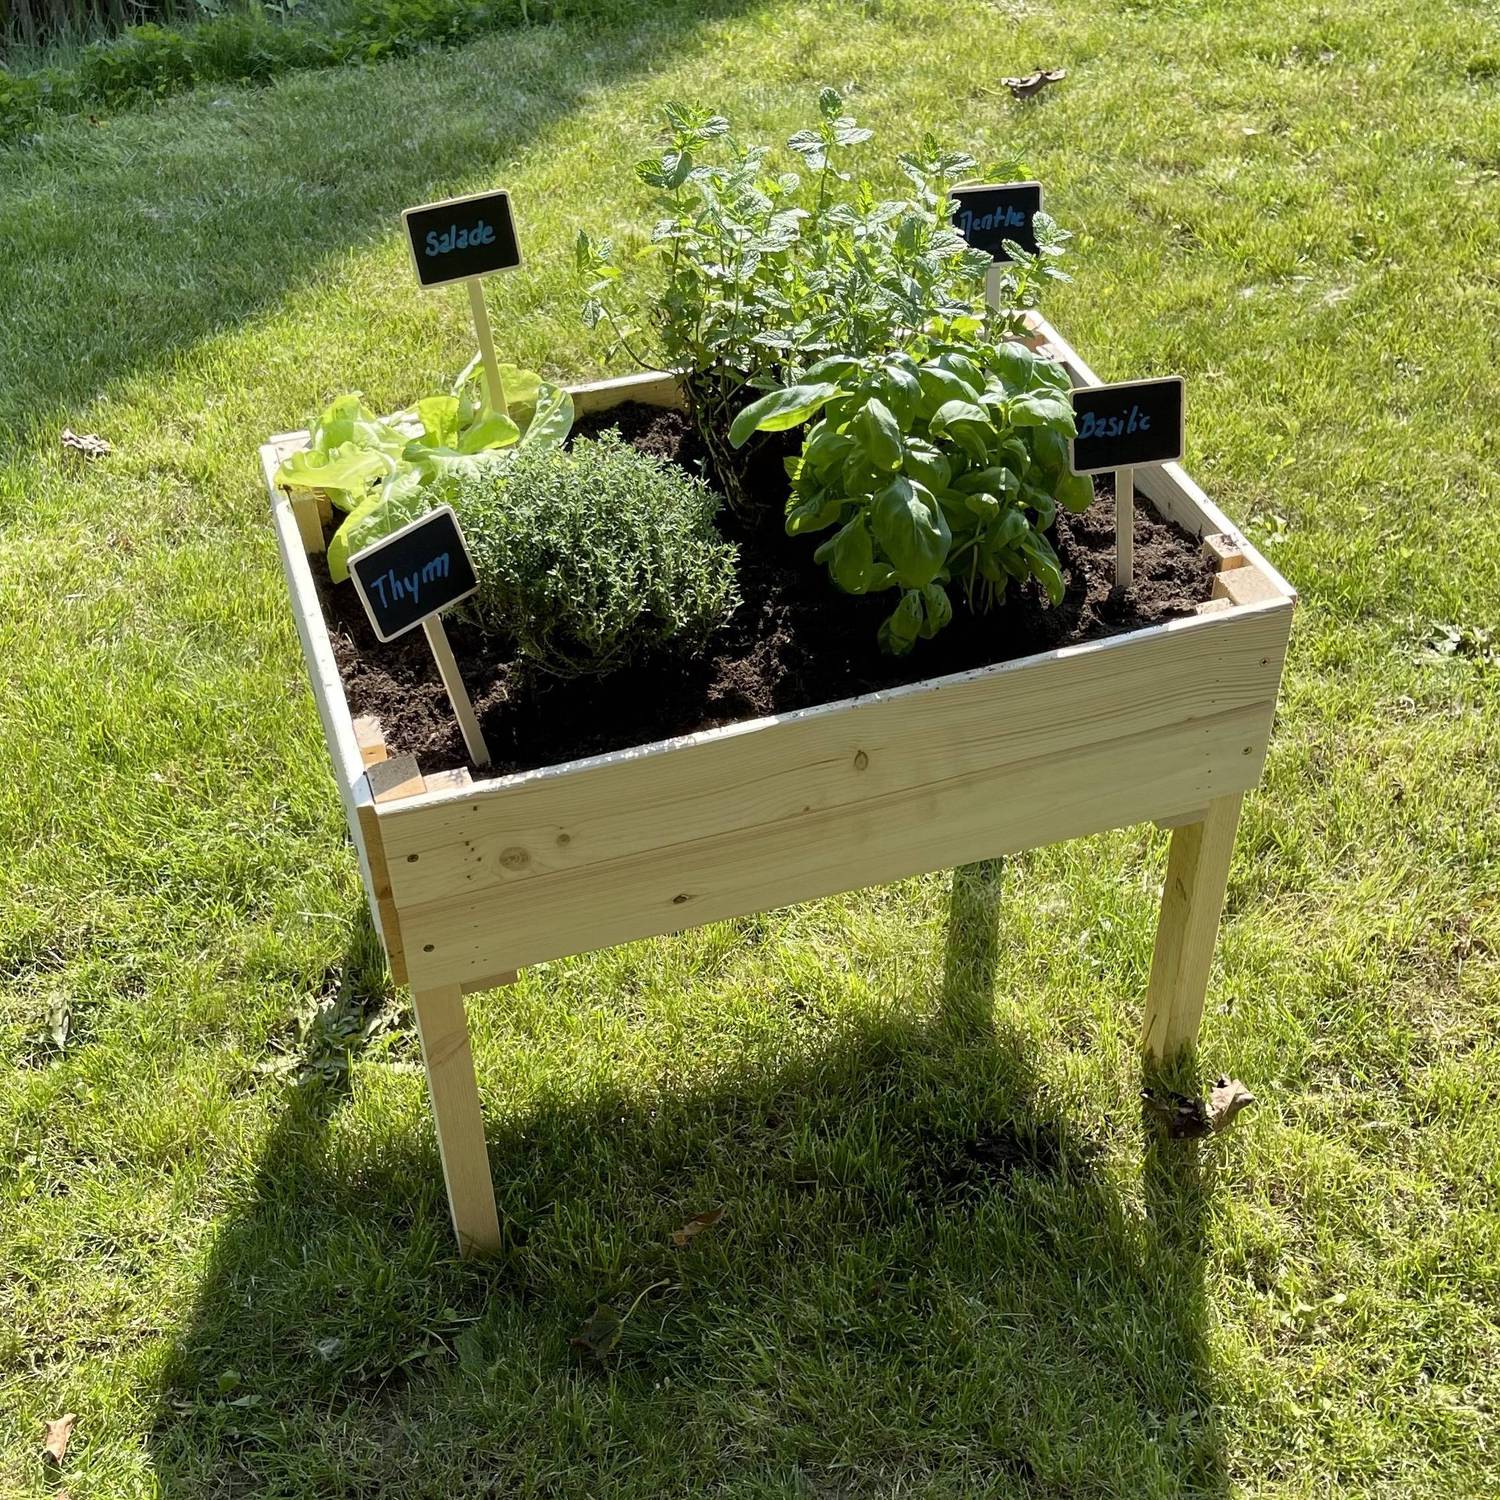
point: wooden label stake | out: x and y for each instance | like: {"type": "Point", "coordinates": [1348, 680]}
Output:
{"type": "Point", "coordinates": [464, 239]}
{"type": "Point", "coordinates": [1122, 427]}
{"type": "Point", "coordinates": [494, 389]}
{"type": "Point", "coordinates": [1124, 528]}
{"type": "Point", "coordinates": [458, 694]}
{"type": "Point", "coordinates": [406, 579]}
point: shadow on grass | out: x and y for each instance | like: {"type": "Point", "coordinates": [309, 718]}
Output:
{"type": "Point", "coordinates": [923, 1283]}
{"type": "Point", "coordinates": [155, 231]}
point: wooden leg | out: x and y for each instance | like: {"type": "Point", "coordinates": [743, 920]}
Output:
{"type": "Point", "coordinates": [1187, 929]}
{"type": "Point", "coordinates": [460, 1126]}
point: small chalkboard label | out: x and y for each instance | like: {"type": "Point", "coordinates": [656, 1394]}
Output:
{"type": "Point", "coordinates": [413, 573]}
{"type": "Point", "coordinates": [462, 237]}
{"type": "Point", "coordinates": [1126, 425]}
{"type": "Point", "coordinates": [987, 216]}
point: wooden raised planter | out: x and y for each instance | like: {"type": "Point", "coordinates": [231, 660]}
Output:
{"type": "Point", "coordinates": [468, 881]}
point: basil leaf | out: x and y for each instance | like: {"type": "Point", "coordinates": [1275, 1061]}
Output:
{"type": "Point", "coordinates": [1075, 492]}
{"type": "Point", "coordinates": [1046, 408]}
{"type": "Point", "coordinates": [848, 554]}
{"type": "Point", "coordinates": [880, 433]}
{"type": "Point", "coordinates": [898, 633]}
{"type": "Point", "coordinates": [778, 410]}
{"type": "Point", "coordinates": [938, 608]}
{"type": "Point", "coordinates": [912, 532]}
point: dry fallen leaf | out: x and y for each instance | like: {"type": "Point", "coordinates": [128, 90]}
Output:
{"type": "Point", "coordinates": [1190, 1119]}
{"type": "Point", "coordinates": [60, 1024]}
{"type": "Point", "coordinates": [696, 1225]}
{"type": "Point", "coordinates": [1185, 1118]}
{"type": "Point", "coordinates": [1034, 83]}
{"type": "Point", "coordinates": [1228, 1098]}
{"type": "Point", "coordinates": [55, 1444]}
{"type": "Point", "coordinates": [89, 444]}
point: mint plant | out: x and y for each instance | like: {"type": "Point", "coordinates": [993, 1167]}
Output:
{"type": "Point", "coordinates": [762, 270]}
{"type": "Point", "coordinates": [380, 469]}
{"type": "Point", "coordinates": [941, 465]}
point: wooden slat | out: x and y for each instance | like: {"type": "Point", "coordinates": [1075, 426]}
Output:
{"type": "Point", "coordinates": [323, 673]}
{"type": "Point", "coordinates": [1182, 819]}
{"type": "Point", "coordinates": [957, 821]}
{"type": "Point", "coordinates": [378, 890]}
{"type": "Point", "coordinates": [390, 780]}
{"type": "Point", "coordinates": [651, 841]}
{"type": "Point", "coordinates": [491, 981]}
{"type": "Point", "coordinates": [395, 779]}
{"type": "Point", "coordinates": [649, 389]}
{"type": "Point", "coordinates": [1224, 551]}
{"type": "Point", "coordinates": [309, 523]}
{"type": "Point", "coordinates": [523, 827]}
{"type": "Point", "coordinates": [1244, 586]}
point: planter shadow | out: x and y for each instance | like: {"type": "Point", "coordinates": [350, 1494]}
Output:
{"type": "Point", "coordinates": [924, 1281]}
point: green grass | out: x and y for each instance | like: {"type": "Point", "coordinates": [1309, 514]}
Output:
{"type": "Point", "coordinates": [951, 1263]}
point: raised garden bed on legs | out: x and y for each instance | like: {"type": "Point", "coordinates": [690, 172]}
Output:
{"type": "Point", "coordinates": [470, 880]}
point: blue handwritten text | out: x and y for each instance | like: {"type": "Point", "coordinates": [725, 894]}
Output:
{"type": "Point", "coordinates": [1119, 425]}
{"type": "Point", "coordinates": [1005, 217]}
{"type": "Point", "coordinates": [391, 587]}
{"type": "Point", "coordinates": [454, 238]}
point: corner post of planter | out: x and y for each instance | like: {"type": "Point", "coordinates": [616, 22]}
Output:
{"type": "Point", "coordinates": [460, 1123]}
{"type": "Point", "coordinates": [1187, 930]}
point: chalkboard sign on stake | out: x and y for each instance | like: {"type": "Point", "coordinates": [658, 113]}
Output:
{"type": "Point", "coordinates": [405, 580]}
{"type": "Point", "coordinates": [1121, 427]}
{"type": "Point", "coordinates": [463, 239]}
{"type": "Point", "coordinates": [989, 214]}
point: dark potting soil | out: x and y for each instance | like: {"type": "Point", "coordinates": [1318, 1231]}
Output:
{"type": "Point", "coordinates": [794, 642]}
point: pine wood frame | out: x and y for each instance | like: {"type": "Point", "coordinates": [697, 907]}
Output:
{"type": "Point", "coordinates": [469, 880]}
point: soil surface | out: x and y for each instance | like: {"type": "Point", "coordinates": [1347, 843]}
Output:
{"type": "Point", "coordinates": [794, 642]}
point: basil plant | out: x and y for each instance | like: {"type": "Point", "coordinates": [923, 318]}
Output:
{"type": "Point", "coordinates": [936, 467]}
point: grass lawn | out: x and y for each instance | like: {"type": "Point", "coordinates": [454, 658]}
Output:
{"type": "Point", "coordinates": [951, 1264]}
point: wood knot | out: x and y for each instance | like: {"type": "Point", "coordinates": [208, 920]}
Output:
{"type": "Point", "coordinates": [564, 839]}
{"type": "Point", "coordinates": [681, 899]}
{"type": "Point", "coordinates": [861, 760]}
{"type": "Point", "coordinates": [514, 858]}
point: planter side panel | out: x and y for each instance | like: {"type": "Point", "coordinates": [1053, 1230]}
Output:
{"type": "Point", "coordinates": [652, 841]}
{"type": "Point", "coordinates": [332, 706]}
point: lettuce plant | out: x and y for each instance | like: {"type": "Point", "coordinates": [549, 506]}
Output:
{"type": "Point", "coordinates": [939, 466]}
{"type": "Point", "coordinates": [764, 270]}
{"type": "Point", "coordinates": [380, 469]}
